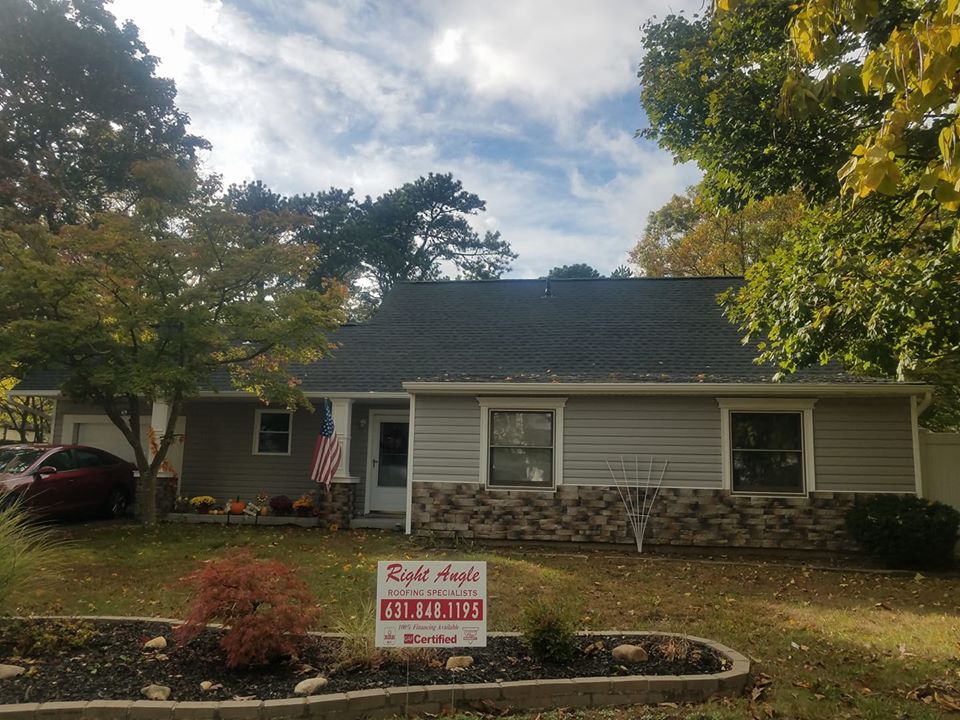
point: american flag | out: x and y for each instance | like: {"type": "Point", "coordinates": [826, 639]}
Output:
{"type": "Point", "coordinates": [326, 454]}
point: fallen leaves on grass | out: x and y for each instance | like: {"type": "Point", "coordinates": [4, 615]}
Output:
{"type": "Point", "coordinates": [938, 693]}
{"type": "Point", "coordinates": [760, 686]}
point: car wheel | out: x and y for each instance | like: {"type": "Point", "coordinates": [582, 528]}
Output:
{"type": "Point", "coordinates": [7, 500]}
{"type": "Point", "coordinates": [117, 504]}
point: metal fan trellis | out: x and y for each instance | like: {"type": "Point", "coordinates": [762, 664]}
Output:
{"type": "Point", "coordinates": [639, 505]}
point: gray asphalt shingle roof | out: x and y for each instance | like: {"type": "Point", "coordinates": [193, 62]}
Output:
{"type": "Point", "coordinates": [631, 330]}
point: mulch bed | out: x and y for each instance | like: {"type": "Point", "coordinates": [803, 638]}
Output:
{"type": "Point", "coordinates": [107, 662]}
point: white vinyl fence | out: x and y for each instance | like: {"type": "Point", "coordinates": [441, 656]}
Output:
{"type": "Point", "coordinates": [940, 466]}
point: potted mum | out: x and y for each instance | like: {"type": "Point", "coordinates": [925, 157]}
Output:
{"type": "Point", "coordinates": [281, 505]}
{"type": "Point", "coordinates": [303, 505]}
{"type": "Point", "coordinates": [202, 503]}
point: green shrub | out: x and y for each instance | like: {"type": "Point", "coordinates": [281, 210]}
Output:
{"type": "Point", "coordinates": [41, 637]}
{"type": "Point", "coordinates": [29, 553]}
{"type": "Point", "coordinates": [548, 628]}
{"type": "Point", "coordinates": [905, 531]}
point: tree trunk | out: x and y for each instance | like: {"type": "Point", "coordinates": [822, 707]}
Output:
{"type": "Point", "coordinates": [147, 492]}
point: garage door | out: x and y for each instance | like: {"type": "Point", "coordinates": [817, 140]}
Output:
{"type": "Point", "coordinates": [105, 436]}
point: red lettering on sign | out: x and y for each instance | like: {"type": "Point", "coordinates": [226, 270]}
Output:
{"type": "Point", "coordinates": [469, 575]}
{"type": "Point", "coordinates": [396, 573]}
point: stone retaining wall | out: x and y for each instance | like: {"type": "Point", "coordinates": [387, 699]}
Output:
{"type": "Point", "coordinates": [589, 692]}
{"type": "Point", "coordinates": [683, 517]}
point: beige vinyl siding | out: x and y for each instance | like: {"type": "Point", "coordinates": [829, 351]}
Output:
{"type": "Point", "coordinates": [863, 445]}
{"type": "Point", "coordinates": [685, 432]}
{"type": "Point", "coordinates": [447, 439]}
{"type": "Point", "coordinates": [218, 457]}
{"type": "Point", "coordinates": [219, 460]}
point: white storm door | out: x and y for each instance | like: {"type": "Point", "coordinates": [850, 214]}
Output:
{"type": "Point", "coordinates": [387, 461]}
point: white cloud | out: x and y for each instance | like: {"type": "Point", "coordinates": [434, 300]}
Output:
{"type": "Point", "coordinates": [504, 94]}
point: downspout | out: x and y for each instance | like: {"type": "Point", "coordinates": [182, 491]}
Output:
{"type": "Point", "coordinates": [411, 436]}
{"type": "Point", "coordinates": [916, 410]}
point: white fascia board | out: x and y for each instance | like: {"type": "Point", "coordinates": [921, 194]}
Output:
{"type": "Point", "coordinates": [33, 393]}
{"type": "Point", "coordinates": [242, 395]}
{"type": "Point", "coordinates": [711, 389]}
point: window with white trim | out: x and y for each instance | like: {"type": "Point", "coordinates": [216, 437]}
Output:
{"type": "Point", "coordinates": [521, 449]}
{"type": "Point", "coordinates": [522, 443]}
{"type": "Point", "coordinates": [272, 430]}
{"type": "Point", "coordinates": [767, 446]}
{"type": "Point", "coordinates": [766, 452]}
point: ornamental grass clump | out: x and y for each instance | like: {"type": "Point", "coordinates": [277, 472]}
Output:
{"type": "Point", "coordinates": [357, 644]}
{"type": "Point", "coordinates": [29, 552]}
{"type": "Point", "coordinates": [265, 608]}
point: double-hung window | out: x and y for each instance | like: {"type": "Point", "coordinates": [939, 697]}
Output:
{"type": "Point", "coordinates": [768, 447]}
{"type": "Point", "coordinates": [522, 443]}
{"type": "Point", "coordinates": [272, 431]}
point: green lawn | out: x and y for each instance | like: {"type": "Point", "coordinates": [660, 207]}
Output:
{"type": "Point", "coordinates": [834, 644]}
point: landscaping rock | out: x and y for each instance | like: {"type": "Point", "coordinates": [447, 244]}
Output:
{"type": "Point", "coordinates": [206, 686]}
{"type": "Point", "coordinates": [459, 662]}
{"type": "Point", "coordinates": [310, 686]}
{"type": "Point", "coordinates": [156, 692]}
{"type": "Point", "coordinates": [158, 643]}
{"type": "Point", "coordinates": [630, 654]}
{"type": "Point", "coordinates": [11, 671]}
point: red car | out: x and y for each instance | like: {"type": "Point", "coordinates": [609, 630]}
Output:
{"type": "Point", "coordinates": [66, 480]}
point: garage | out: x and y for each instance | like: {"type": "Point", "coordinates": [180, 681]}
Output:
{"type": "Point", "coordinates": [106, 436]}
{"type": "Point", "coordinates": [97, 431]}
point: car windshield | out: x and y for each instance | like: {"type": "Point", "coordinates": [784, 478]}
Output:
{"type": "Point", "coordinates": [18, 460]}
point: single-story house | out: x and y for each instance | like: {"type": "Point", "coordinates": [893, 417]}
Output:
{"type": "Point", "coordinates": [495, 410]}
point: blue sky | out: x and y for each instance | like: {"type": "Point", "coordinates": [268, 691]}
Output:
{"type": "Point", "coordinates": [532, 103]}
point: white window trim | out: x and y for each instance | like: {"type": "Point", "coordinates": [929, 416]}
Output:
{"type": "Point", "coordinates": [256, 432]}
{"type": "Point", "coordinates": [769, 405]}
{"type": "Point", "coordinates": [521, 404]}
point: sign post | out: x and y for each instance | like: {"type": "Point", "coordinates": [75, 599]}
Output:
{"type": "Point", "coordinates": [431, 604]}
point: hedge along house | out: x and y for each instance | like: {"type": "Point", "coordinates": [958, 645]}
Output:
{"type": "Point", "coordinates": [491, 409]}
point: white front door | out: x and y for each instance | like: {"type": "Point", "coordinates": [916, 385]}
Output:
{"type": "Point", "coordinates": [387, 461]}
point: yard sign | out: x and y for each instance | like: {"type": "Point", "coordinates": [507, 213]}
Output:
{"type": "Point", "coordinates": [431, 604]}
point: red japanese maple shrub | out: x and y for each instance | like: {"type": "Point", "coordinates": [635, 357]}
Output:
{"type": "Point", "coordinates": [265, 608]}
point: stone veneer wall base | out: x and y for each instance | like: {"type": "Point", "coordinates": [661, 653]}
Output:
{"type": "Point", "coordinates": [680, 517]}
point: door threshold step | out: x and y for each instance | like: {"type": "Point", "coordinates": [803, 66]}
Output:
{"type": "Point", "coordinates": [379, 522]}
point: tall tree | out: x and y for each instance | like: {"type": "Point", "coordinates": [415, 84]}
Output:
{"type": "Point", "coordinates": [80, 108]}
{"type": "Point", "coordinates": [118, 263]}
{"type": "Point", "coordinates": [577, 270]}
{"type": "Point", "coordinates": [414, 232]}
{"type": "Point", "coordinates": [711, 88]}
{"type": "Point", "coordinates": [692, 236]}
{"type": "Point", "coordinates": [826, 97]}
{"type": "Point", "coordinates": [151, 305]}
